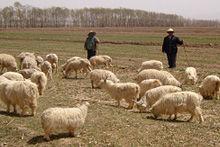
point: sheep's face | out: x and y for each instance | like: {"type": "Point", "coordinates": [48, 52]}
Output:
{"type": "Point", "coordinates": [141, 106]}
{"type": "Point", "coordinates": [174, 82]}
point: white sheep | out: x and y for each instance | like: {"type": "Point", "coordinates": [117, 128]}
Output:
{"type": "Point", "coordinates": [101, 60]}
{"type": "Point", "coordinates": [22, 55]}
{"type": "Point", "coordinates": [46, 67]}
{"type": "Point", "coordinates": [39, 60]}
{"type": "Point", "coordinates": [13, 76]}
{"type": "Point", "coordinates": [165, 77]}
{"type": "Point", "coordinates": [29, 62]}
{"type": "Point", "coordinates": [69, 119]}
{"type": "Point", "coordinates": [190, 76]}
{"type": "Point", "coordinates": [26, 73]}
{"type": "Point", "coordinates": [21, 93]}
{"type": "Point", "coordinates": [97, 75]}
{"type": "Point", "coordinates": [179, 102]}
{"type": "Point", "coordinates": [2, 79]}
{"type": "Point", "coordinates": [8, 62]}
{"type": "Point", "coordinates": [53, 59]}
{"type": "Point", "coordinates": [151, 64]}
{"type": "Point", "coordinates": [69, 60]}
{"type": "Point", "coordinates": [118, 91]}
{"type": "Point", "coordinates": [40, 79]}
{"type": "Point", "coordinates": [210, 87]}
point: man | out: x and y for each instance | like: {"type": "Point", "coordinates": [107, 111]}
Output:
{"type": "Point", "coordinates": [169, 47]}
{"type": "Point", "coordinates": [91, 44]}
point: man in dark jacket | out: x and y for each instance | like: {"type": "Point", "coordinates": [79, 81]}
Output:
{"type": "Point", "coordinates": [169, 47]}
{"type": "Point", "coordinates": [91, 44]}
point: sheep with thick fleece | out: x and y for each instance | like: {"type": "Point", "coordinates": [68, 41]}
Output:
{"type": "Point", "coordinates": [26, 73]}
{"type": "Point", "coordinates": [153, 95]}
{"type": "Point", "coordinates": [69, 60]}
{"type": "Point", "coordinates": [210, 87]}
{"type": "Point", "coordinates": [40, 79]}
{"type": "Point", "coordinates": [146, 85]}
{"type": "Point", "coordinates": [101, 60]}
{"type": "Point", "coordinates": [13, 76]}
{"type": "Point", "coordinates": [39, 60]}
{"type": "Point", "coordinates": [151, 64]}
{"type": "Point", "coordinates": [118, 91]}
{"type": "Point", "coordinates": [77, 65]}
{"type": "Point", "coordinates": [97, 75]}
{"type": "Point", "coordinates": [165, 77]}
{"type": "Point", "coordinates": [53, 59]}
{"type": "Point", "coordinates": [29, 62]}
{"type": "Point", "coordinates": [21, 93]}
{"type": "Point", "coordinates": [22, 55]}
{"type": "Point", "coordinates": [190, 75]}
{"type": "Point", "coordinates": [46, 67]}
{"type": "Point", "coordinates": [69, 119]}
{"type": "Point", "coordinates": [179, 102]}
{"type": "Point", "coordinates": [8, 62]}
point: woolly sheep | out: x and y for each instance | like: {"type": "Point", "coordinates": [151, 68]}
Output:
{"type": "Point", "coordinates": [8, 62]}
{"type": "Point", "coordinates": [2, 79]}
{"type": "Point", "coordinates": [101, 60]}
{"type": "Point", "coordinates": [39, 60]}
{"type": "Point", "coordinates": [69, 60]}
{"type": "Point", "coordinates": [151, 64]}
{"type": "Point", "coordinates": [210, 87]}
{"type": "Point", "coordinates": [13, 76]}
{"type": "Point", "coordinates": [165, 77]}
{"type": "Point", "coordinates": [191, 75]}
{"type": "Point", "coordinates": [22, 55]}
{"type": "Point", "coordinates": [97, 75]}
{"type": "Point", "coordinates": [179, 102]}
{"type": "Point", "coordinates": [53, 59]}
{"type": "Point", "coordinates": [118, 91]}
{"type": "Point", "coordinates": [27, 72]}
{"type": "Point", "coordinates": [21, 93]}
{"type": "Point", "coordinates": [63, 118]}
{"type": "Point", "coordinates": [47, 69]}
{"type": "Point", "coordinates": [40, 79]}
{"type": "Point", "coordinates": [29, 62]}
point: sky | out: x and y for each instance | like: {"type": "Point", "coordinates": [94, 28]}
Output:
{"type": "Point", "coordinates": [198, 9]}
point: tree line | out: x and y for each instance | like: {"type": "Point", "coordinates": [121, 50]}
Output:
{"type": "Point", "coordinates": [25, 16]}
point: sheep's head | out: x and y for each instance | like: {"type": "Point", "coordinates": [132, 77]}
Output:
{"type": "Point", "coordinates": [141, 105]}
{"type": "Point", "coordinates": [173, 81]}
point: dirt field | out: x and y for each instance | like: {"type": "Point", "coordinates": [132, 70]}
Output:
{"type": "Point", "coordinates": [107, 125]}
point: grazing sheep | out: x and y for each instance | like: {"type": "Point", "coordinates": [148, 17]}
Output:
{"type": "Point", "coordinates": [14, 76]}
{"type": "Point", "coordinates": [101, 60]}
{"type": "Point", "coordinates": [191, 76]}
{"type": "Point", "coordinates": [29, 62]}
{"type": "Point", "coordinates": [40, 79]}
{"type": "Point", "coordinates": [165, 77]}
{"type": "Point", "coordinates": [153, 95]}
{"type": "Point", "coordinates": [53, 59]}
{"type": "Point", "coordinates": [47, 69]}
{"type": "Point", "coordinates": [151, 64]}
{"type": "Point", "coordinates": [97, 75]}
{"type": "Point", "coordinates": [2, 79]}
{"type": "Point", "coordinates": [77, 65]}
{"type": "Point", "coordinates": [39, 60]}
{"type": "Point", "coordinates": [21, 93]}
{"type": "Point", "coordinates": [210, 87]}
{"type": "Point", "coordinates": [22, 55]}
{"type": "Point", "coordinates": [146, 85]}
{"type": "Point", "coordinates": [118, 91]}
{"type": "Point", "coordinates": [26, 73]}
{"type": "Point", "coordinates": [179, 102]}
{"type": "Point", "coordinates": [69, 60]}
{"type": "Point", "coordinates": [63, 118]}
{"type": "Point", "coordinates": [8, 62]}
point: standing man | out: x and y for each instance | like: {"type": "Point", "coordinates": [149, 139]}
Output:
{"type": "Point", "coordinates": [91, 44]}
{"type": "Point", "coordinates": [169, 47]}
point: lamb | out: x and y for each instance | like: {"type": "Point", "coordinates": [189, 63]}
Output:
{"type": "Point", "coordinates": [8, 62]}
{"type": "Point", "coordinates": [40, 79]}
{"type": "Point", "coordinates": [26, 73]}
{"type": "Point", "coordinates": [69, 119]}
{"type": "Point", "coordinates": [53, 59]}
{"type": "Point", "coordinates": [151, 64]}
{"type": "Point", "coordinates": [39, 60]}
{"type": "Point", "coordinates": [179, 102]}
{"type": "Point", "coordinates": [29, 62]}
{"type": "Point", "coordinates": [118, 91]}
{"type": "Point", "coordinates": [46, 67]}
{"type": "Point", "coordinates": [21, 93]}
{"type": "Point", "coordinates": [210, 87]}
{"type": "Point", "coordinates": [191, 75]}
{"type": "Point", "coordinates": [101, 60]}
{"type": "Point", "coordinates": [13, 76]}
{"type": "Point", "coordinates": [97, 75]}
{"type": "Point", "coordinates": [165, 77]}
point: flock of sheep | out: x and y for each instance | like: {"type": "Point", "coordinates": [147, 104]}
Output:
{"type": "Point", "coordinates": [156, 91]}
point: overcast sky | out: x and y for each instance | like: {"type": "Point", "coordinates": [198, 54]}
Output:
{"type": "Point", "coordinates": [200, 9]}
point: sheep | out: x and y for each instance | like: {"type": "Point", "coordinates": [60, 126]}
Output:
{"type": "Point", "coordinates": [46, 67]}
{"type": "Point", "coordinates": [97, 75]}
{"type": "Point", "coordinates": [8, 62]}
{"type": "Point", "coordinates": [63, 118]}
{"type": "Point", "coordinates": [22, 55]}
{"type": "Point", "coordinates": [2, 79]}
{"type": "Point", "coordinates": [21, 93]}
{"type": "Point", "coordinates": [210, 87]}
{"type": "Point", "coordinates": [190, 76]}
{"type": "Point", "coordinates": [146, 85]}
{"type": "Point", "coordinates": [26, 73]}
{"type": "Point", "coordinates": [40, 79]}
{"type": "Point", "coordinates": [179, 102]}
{"type": "Point", "coordinates": [151, 64]}
{"type": "Point", "coordinates": [69, 60]}
{"type": "Point", "coordinates": [53, 59]}
{"type": "Point", "coordinates": [29, 62]}
{"type": "Point", "coordinates": [165, 77]}
{"type": "Point", "coordinates": [100, 60]}
{"type": "Point", "coordinates": [39, 60]}
{"type": "Point", "coordinates": [153, 95]}
{"type": "Point", "coordinates": [76, 65]}
{"type": "Point", "coordinates": [13, 76]}
{"type": "Point", "coordinates": [118, 91]}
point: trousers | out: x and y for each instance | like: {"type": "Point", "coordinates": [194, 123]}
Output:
{"type": "Point", "coordinates": [171, 60]}
{"type": "Point", "coordinates": [91, 53]}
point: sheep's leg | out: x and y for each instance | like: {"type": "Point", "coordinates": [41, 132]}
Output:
{"type": "Point", "coordinates": [47, 134]}
{"type": "Point", "coordinates": [33, 110]}
{"type": "Point", "coordinates": [118, 101]}
{"type": "Point", "coordinates": [175, 117]}
{"type": "Point", "coordinates": [131, 104]}
{"type": "Point", "coordinates": [191, 118]}
{"type": "Point", "coordinates": [198, 112]}
{"type": "Point", "coordinates": [71, 132]}
{"type": "Point", "coordinates": [92, 84]}
{"type": "Point", "coordinates": [76, 74]}
{"type": "Point", "coordinates": [15, 110]}
{"type": "Point", "coordinates": [24, 110]}
{"type": "Point", "coordinates": [8, 108]}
